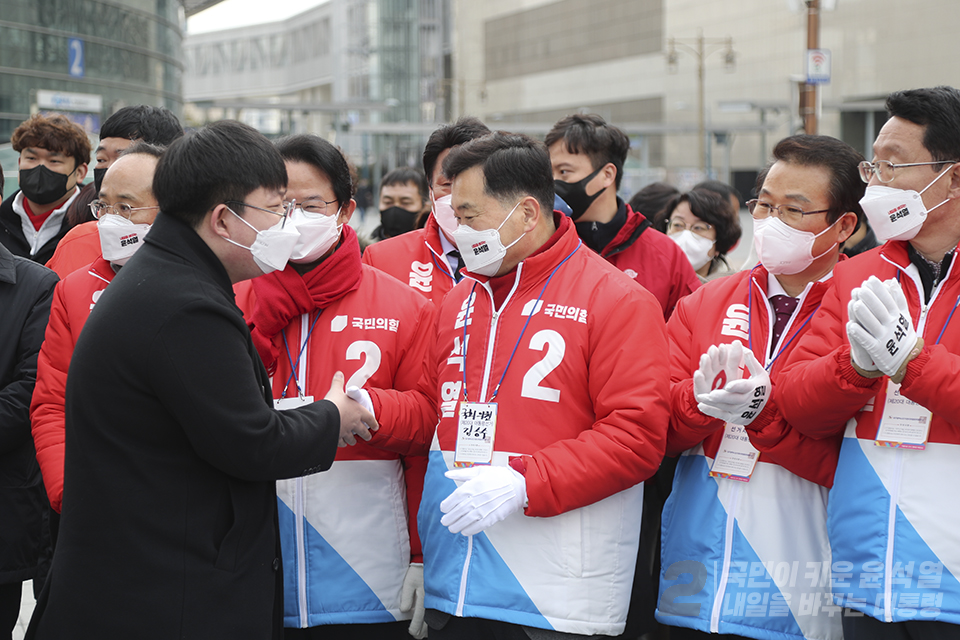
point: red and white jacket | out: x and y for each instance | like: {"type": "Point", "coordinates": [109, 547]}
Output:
{"type": "Point", "coordinates": [578, 352]}
{"type": "Point", "coordinates": [377, 335]}
{"type": "Point", "coordinates": [415, 258]}
{"type": "Point", "coordinates": [894, 512]}
{"type": "Point", "coordinates": [73, 299]}
{"type": "Point", "coordinates": [735, 529]}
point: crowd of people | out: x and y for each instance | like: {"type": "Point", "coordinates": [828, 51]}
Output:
{"type": "Point", "coordinates": [523, 408]}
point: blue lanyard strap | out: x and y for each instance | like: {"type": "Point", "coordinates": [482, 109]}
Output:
{"type": "Point", "coordinates": [949, 317]}
{"type": "Point", "coordinates": [294, 365]}
{"type": "Point", "coordinates": [448, 271]}
{"type": "Point", "coordinates": [750, 324]}
{"type": "Point", "coordinates": [533, 311]}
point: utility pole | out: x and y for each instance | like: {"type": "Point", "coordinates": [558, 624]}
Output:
{"type": "Point", "coordinates": [808, 97]}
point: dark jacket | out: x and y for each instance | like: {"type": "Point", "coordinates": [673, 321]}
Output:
{"type": "Point", "coordinates": [169, 521]}
{"type": "Point", "coordinates": [11, 234]}
{"type": "Point", "coordinates": [26, 290]}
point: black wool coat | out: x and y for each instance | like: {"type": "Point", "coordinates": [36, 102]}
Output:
{"type": "Point", "coordinates": [26, 289]}
{"type": "Point", "coordinates": [169, 522]}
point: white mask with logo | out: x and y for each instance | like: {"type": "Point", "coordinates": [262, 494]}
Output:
{"type": "Point", "coordinates": [273, 247]}
{"type": "Point", "coordinates": [695, 246]}
{"type": "Point", "coordinates": [119, 238]}
{"type": "Point", "coordinates": [783, 249]}
{"type": "Point", "coordinates": [443, 214]}
{"type": "Point", "coordinates": [483, 251]}
{"type": "Point", "coordinates": [896, 214]}
{"type": "Point", "coordinates": [318, 232]}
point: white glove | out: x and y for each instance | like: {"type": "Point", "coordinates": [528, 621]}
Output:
{"type": "Point", "coordinates": [361, 397]}
{"type": "Point", "coordinates": [858, 353]}
{"type": "Point", "coordinates": [740, 401]}
{"type": "Point", "coordinates": [718, 366]}
{"type": "Point", "coordinates": [883, 326]}
{"type": "Point", "coordinates": [411, 599]}
{"type": "Point", "coordinates": [487, 496]}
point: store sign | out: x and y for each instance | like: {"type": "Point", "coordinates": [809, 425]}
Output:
{"type": "Point", "coordinates": [63, 101]}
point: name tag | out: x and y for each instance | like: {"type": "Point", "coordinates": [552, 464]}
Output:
{"type": "Point", "coordinates": [283, 404]}
{"type": "Point", "coordinates": [904, 423]}
{"type": "Point", "coordinates": [736, 457]}
{"type": "Point", "coordinates": [476, 430]}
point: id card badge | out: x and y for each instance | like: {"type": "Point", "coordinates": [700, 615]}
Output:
{"type": "Point", "coordinates": [284, 404]}
{"type": "Point", "coordinates": [736, 457]}
{"type": "Point", "coordinates": [476, 429]}
{"type": "Point", "coordinates": [904, 423]}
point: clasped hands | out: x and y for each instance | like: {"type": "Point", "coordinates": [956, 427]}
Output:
{"type": "Point", "coordinates": [720, 390]}
{"type": "Point", "coordinates": [882, 338]}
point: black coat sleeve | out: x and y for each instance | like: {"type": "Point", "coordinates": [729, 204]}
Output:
{"type": "Point", "coordinates": [25, 323]}
{"type": "Point", "coordinates": [204, 369]}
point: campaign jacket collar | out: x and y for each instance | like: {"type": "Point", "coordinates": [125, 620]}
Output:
{"type": "Point", "coordinates": [431, 238]}
{"type": "Point", "coordinates": [635, 225]}
{"type": "Point", "coordinates": [175, 237]}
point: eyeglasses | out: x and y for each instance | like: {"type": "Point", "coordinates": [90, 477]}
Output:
{"type": "Point", "coordinates": [311, 205]}
{"type": "Point", "coordinates": [788, 213]}
{"type": "Point", "coordinates": [99, 208]}
{"type": "Point", "coordinates": [285, 213]}
{"type": "Point", "coordinates": [676, 225]}
{"type": "Point", "coordinates": [884, 170]}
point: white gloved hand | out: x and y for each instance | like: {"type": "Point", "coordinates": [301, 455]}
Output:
{"type": "Point", "coordinates": [487, 496]}
{"type": "Point", "coordinates": [740, 401]}
{"type": "Point", "coordinates": [361, 396]}
{"type": "Point", "coordinates": [883, 326]}
{"type": "Point", "coordinates": [858, 354]}
{"type": "Point", "coordinates": [718, 366]}
{"type": "Point", "coordinates": [411, 599]}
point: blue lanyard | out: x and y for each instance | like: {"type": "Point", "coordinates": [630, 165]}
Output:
{"type": "Point", "coordinates": [294, 365]}
{"type": "Point", "coordinates": [949, 317]}
{"type": "Point", "coordinates": [533, 310]}
{"type": "Point", "coordinates": [449, 270]}
{"type": "Point", "coordinates": [784, 345]}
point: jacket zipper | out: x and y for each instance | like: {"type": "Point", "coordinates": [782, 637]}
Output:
{"type": "Point", "coordinates": [299, 502]}
{"type": "Point", "coordinates": [488, 363]}
{"type": "Point", "coordinates": [727, 553]}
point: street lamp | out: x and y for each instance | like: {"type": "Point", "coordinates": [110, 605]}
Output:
{"type": "Point", "coordinates": [701, 48]}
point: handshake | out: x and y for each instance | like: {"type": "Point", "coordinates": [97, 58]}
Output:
{"type": "Point", "coordinates": [881, 333]}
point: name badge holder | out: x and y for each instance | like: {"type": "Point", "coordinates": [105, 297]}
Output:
{"type": "Point", "coordinates": [736, 458]}
{"type": "Point", "coordinates": [476, 431]}
{"type": "Point", "coordinates": [904, 423]}
{"type": "Point", "coordinates": [285, 404]}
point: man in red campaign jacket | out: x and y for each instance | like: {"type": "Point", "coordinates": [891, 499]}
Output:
{"type": "Point", "coordinates": [807, 207]}
{"type": "Point", "coordinates": [125, 213]}
{"type": "Point", "coordinates": [548, 374]}
{"type": "Point", "coordinates": [326, 312]}
{"type": "Point", "coordinates": [427, 259]}
{"type": "Point", "coordinates": [587, 156]}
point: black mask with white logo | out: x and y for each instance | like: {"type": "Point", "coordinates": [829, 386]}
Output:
{"type": "Point", "coordinates": [396, 221]}
{"type": "Point", "coordinates": [43, 186]}
{"type": "Point", "coordinates": [575, 194]}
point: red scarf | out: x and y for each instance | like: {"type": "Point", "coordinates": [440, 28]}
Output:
{"type": "Point", "coordinates": [284, 295]}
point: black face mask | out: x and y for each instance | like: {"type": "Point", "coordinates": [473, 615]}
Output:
{"type": "Point", "coordinates": [42, 185]}
{"type": "Point", "coordinates": [396, 221]}
{"type": "Point", "coordinates": [575, 194]}
{"type": "Point", "coordinates": [98, 174]}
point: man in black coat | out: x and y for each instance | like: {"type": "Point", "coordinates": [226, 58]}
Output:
{"type": "Point", "coordinates": [169, 520]}
{"type": "Point", "coordinates": [26, 290]}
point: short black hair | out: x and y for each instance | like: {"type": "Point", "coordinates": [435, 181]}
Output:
{"type": "Point", "coordinates": [222, 161]}
{"type": "Point", "coordinates": [837, 157]}
{"type": "Point", "coordinates": [322, 156]}
{"type": "Point", "coordinates": [653, 199]}
{"type": "Point", "coordinates": [722, 188]}
{"type": "Point", "coordinates": [156, 125]}
{"type": "Point", "coordinates": [590, 135]}
{"type": "Point", "coordinates": [937, 109]}
{"type": "Point", "coordinates": [465, 129]}
{"type": "Point", "coordinates": [514, 165]}
{"type": "Point", "coordinates": [143, 148]}
{"type": "Point", "coordinates": [405, 175]}
{"type": "Point", "coordinates": [713, 209]}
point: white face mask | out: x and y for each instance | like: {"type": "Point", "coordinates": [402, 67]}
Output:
{"type": "Point", "coordinates": [783, 249]}
{"type": "Point", "coordinates": [443, 214]}
{"type": "Point", "coordinates": [318, 232]}
{"type": "Point", "coordinates": [272, 248]}
{"type": "Point", "coordinates": [896, 214]}
{"type": "Point", "coordinates": [483, 251]}
{"type": "Point", "coordinates": [695, 246]}
{"type": "Point", "coordinates": [119, 238]}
